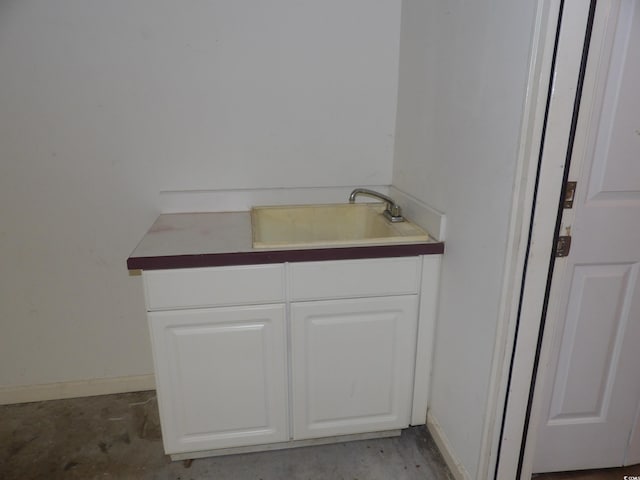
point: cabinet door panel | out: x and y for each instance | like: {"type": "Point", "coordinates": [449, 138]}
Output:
{"type": "Point", "coordinates": [352, 365]}
{"type": "Point", "coordinates": [221, 376]}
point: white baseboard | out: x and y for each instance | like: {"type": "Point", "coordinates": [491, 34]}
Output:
{"type": "Point", "coordinates": [442, 442]}
{"type": "Point", "coordinates": [83, 388]}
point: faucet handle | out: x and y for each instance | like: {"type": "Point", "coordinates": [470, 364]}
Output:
{"type": "Point", "coordinates": [393, 213]}
{"type": "Point", "coordinates": [394, 210]}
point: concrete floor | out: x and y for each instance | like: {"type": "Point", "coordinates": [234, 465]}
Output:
{"type": "Point", "coordinates": [118, 436]}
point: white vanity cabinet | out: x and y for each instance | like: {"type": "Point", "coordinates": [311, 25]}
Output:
{"type": "Point", "coordinates": [276, 355]}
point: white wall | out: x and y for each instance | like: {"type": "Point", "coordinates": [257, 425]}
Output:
{"type": "Point", "coordinates": [104, 104]}
{"type": "Point", "coordinates": [463, 74]}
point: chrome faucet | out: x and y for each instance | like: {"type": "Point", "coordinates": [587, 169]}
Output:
{"type": "Point", "coordinates": [393, 212]}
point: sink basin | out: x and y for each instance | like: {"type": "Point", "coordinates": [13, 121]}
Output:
{"type": "Point", "coordinates": [329, 225]}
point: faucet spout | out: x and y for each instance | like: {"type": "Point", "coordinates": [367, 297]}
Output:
{"type": "Point", "coordinates": [393, 211]}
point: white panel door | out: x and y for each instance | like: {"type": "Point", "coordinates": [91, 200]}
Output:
{"type": "Point", "coordinates": [592, 398]}
{"type": "Point", "coordinates": [221, 375]}
{"type": "Point", "coordinates": [352, 365]}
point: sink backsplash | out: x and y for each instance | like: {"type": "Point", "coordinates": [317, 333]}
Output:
{"type": "Point", "coordinates": [240, 200]}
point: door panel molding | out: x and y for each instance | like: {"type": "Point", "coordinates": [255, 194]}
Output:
{"type": "Point", "coordinates": [584, 377]}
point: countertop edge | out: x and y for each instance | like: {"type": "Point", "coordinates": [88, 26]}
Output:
{"type": "Point", "coordinates": [167, 262]}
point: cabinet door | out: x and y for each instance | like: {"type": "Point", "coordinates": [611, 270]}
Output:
{"type": "Point", "coordinates": [221, 376]}
{"type": "Point", "coordinates": [352, 365]}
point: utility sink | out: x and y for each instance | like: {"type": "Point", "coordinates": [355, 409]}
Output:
{"type": "Point", "coordinates": [329, 225]}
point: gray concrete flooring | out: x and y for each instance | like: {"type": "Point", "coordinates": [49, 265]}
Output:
{"type": "Point", "coordinates": [118, 437]}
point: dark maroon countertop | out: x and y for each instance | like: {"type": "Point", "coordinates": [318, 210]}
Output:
{"type": "Point", "coordinates": [189, 240]}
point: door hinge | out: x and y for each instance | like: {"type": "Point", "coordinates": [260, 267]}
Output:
{"type": "Point", "coordinates": [569, 194]}
{"type": "Point", "coordinates": [563, 245]}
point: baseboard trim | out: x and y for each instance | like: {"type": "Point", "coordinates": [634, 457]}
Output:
{"type": "Point", "coordinates": [442, 442]}
{"type": "Point", "coordinates": [83, 388]}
